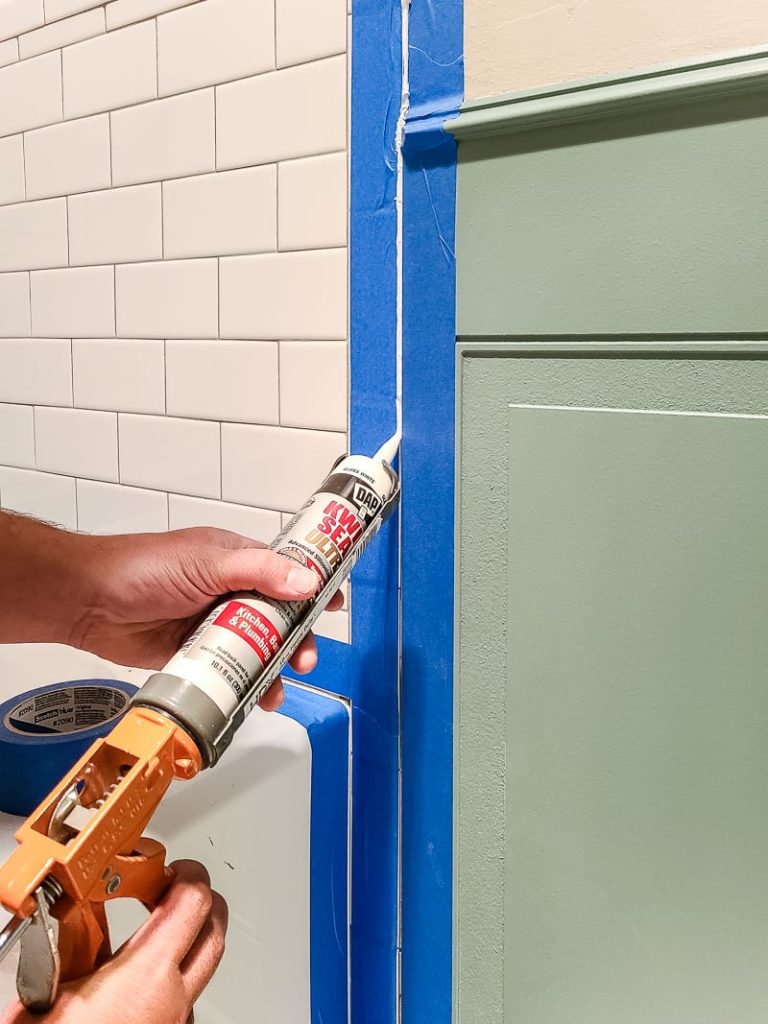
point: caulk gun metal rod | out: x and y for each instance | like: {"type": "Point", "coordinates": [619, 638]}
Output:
{"type": "Point", "coordinates": [11, 934]}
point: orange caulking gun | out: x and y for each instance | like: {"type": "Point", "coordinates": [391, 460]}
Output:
{"type": "Point", "coordinates": [84, 844]}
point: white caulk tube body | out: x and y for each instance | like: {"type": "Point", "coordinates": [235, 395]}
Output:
{"type": "Point", "coordinates": [227, 664]}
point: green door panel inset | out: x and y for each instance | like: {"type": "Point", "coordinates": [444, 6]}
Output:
{"type": "Point", "coordinates": [636, 774]}
{"type": "Point", "coordinates": [644, 224]}
{"type": "Point", "coordinates": [611, 731]}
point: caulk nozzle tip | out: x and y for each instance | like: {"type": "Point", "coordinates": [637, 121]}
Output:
{"type": "Point", "coordinates": [388, 450]}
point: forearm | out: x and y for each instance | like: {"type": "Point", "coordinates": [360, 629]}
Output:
{"type": "Point", "coordinates": [44, 585]}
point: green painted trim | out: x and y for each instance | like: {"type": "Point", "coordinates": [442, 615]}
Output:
{"type": "Point", "coordinates": [672, 347]}
{"type": "Point", "coordinates": [614, 96]}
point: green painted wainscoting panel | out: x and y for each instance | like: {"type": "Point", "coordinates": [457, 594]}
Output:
{"type": "Point", "coordinates": [636, 721]}
{"type": "Point", "coordinates": [612, 683]}
{"type": "Point", "coordinates": [649, 222]}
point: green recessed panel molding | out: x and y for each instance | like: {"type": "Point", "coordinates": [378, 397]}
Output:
{"type": "Point", "coordinates": [611, 768]}
{"type": "Point", "coordinates": [635, 887]}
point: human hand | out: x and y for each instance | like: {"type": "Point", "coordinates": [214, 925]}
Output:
{"type": "Point", "coordinates": [158, 974]}
{"type": "Point", "coordinates": [149, 591]}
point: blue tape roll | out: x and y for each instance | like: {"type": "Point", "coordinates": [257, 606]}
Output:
{"type": "Point", "coordinates": [44, 731]}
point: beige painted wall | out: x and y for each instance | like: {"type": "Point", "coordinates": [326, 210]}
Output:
{"type": "Point", "coordinates": [522, 44]}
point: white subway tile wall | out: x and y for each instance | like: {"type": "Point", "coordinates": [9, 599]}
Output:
{"type": "Point", "coordinates": [76, 442]}
{"type": "Point", "coordinates": [165, 139]}
{"type": "Point", "coordinates": [184, 512]}
{"type": "Point", "coordinates": [285, 295]}
{"type": "Point", "coordinates": [230, 213]}
{"type": "Point", "coordinates": [168, 299]}
{"type": "Point", "coordinates": [36, 371]}
{"type": "Point", "coordinates": [171, 454]}
{"type": "Point", "coordinates": [112, 508]}
{"type": "Point", "coordinates": [125, 12]}
{"type": "Point", "coordinates": [119, 225]}
{"type": "Point", "coordinates": [74, 301]}
{"type": "Point", "coordinates": [308, 29]}
{"type": "Point", "coordinates": [67, 158]}
{"type": "Point", "coordinates": [112, 71]}
{"type": "Point", "coordinates": [313, 384]}
{"type": "Point", "coordinates": [55, 10]}
{"type": "Point", "coordinates": [223, 380]}
{"type": "Point", "coordinates": [312, 195]}
{"type": "Point", "coordinates": [43, 495]}
{"type": "Point", "coordinates": [218, 41]}
{"type": "Point", "coordinates": [61, 33]}
{"type": "Point", "coordinates": [173, 261]}
{"type": "Point", "coordinates": [274, 466]}
{"type": "Point", "coordinates": [30, 93]}
{"type": "Point", "coordinates": [9, 52]}
{"type": "Point", "coordinates": [20, 16]}
{"type": "Point", "coordinates": [17, 435]}
{"type": "Point", "coordinates": [33, 235]}
{"type": "Point", "coordinates": [12, 169]}
{"type": "Point", "coordinates": [127, 375]}
{"type": "Point", "coordinates": [14, 305]}
{"type": "Point", "coordinates": [296, 112]}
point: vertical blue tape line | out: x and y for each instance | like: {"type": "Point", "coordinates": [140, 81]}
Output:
{"type": "Point", "coordinates": [375, 105]}
{"type": "Point", "coordinates": [327, 723]}
{"type": "Point", "coordinates": [367, 672]}
{"type": "Point", "coordinates": [436, 77]}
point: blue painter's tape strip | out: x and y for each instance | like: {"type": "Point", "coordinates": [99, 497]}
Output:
{"type": "Point", "coordinates": [429, 341]}
{"type": "Point", "coordinates": [326, 720]}
{"type": "Point", "coordinates": [37, 744]}
{"type": "Point", "coordinates": [367, 671]}
{"type": "Point", "coordinates": [375, 107]}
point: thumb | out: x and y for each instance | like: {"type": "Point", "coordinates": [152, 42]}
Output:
{"type": "Point", "coordinates": [260, 569]}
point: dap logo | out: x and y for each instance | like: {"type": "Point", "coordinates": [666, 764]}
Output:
{"type": "Point", "coordinates": [365, 498]}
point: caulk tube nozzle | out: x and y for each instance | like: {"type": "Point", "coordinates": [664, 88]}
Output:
{"type": "Point", "coordinates": [388, 450]}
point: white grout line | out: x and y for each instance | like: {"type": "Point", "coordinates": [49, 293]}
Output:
{"type": "Point", "coordinates": [215, 130]}
{"type": "Point", "coordinates": [177, 177]}
{"type": "Point", "coordinates": [61, 73]}
{"type": "Point", "coordinates": [165, 376]}
{"type": "Point", "coordinates": [148, 17]}
{"type": "Point", "coordinates": [279, 392]}
{"type": "Point", "coordinates": [173, 95]}
{"type": "Point", "coordinates": [157, 59]}
{"type": "Point", "coordinates": [24, 161]}
{"type": "Point", "coordinates": [72, 369]}
{"type": "Point", "coordinates": [117, 445]}
{"type": "Point", "coordinates": [221, 461]}
{"type": "Point", "coordinates": [34, 438]}
{"type": "Point", "coordinates": [162, 221]}
{"type": "Point", "coordinates": [218, 297]}
{"type": "Point", "coordinates": [66, 218]}
{"type": "Point", "coordinates": [111, 159]}
{"type": "Point", "coordinates": [114, 298]}
{"type": "Point", "coordinates": [274, 31]}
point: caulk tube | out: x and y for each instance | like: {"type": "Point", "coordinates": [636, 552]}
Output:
{"type": "Point", "coordinates": [229, 662]}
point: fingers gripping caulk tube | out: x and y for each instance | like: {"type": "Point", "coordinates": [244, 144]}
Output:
{"type": "Point", "coordinates": [229, 662]}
